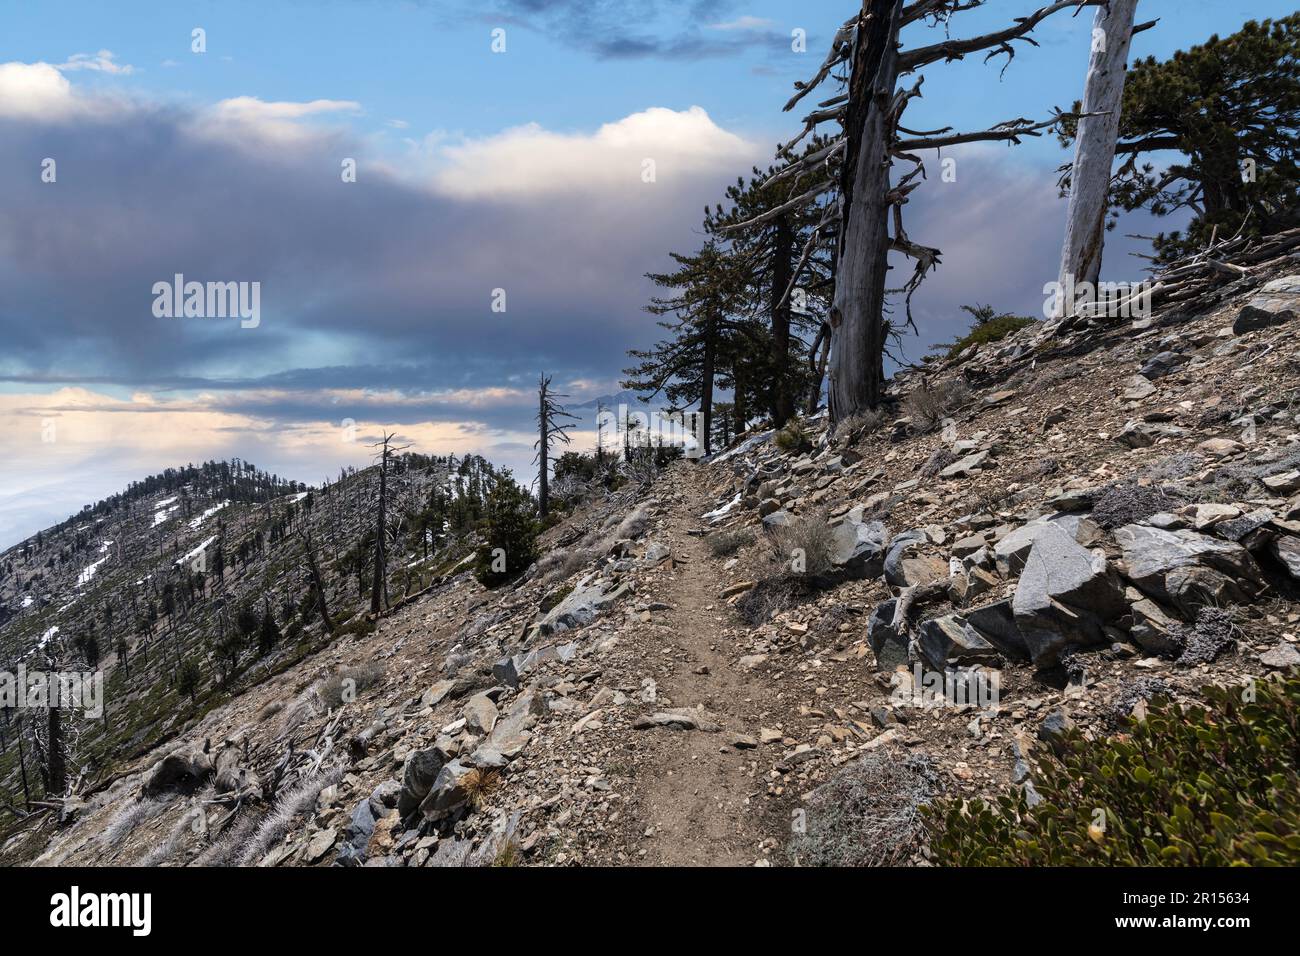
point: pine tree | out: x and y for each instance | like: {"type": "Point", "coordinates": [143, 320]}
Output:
{"type": "Point", "coordinates": [708, 336]}
{"type": "Point", "coordinates": [509, 533]}
{"type": "Point", "coordinates": [268, 634]}
{"type": "Point", "coordinates": [787, 271]}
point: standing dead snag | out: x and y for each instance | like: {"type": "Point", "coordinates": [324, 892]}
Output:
{"type": "Point", "coordinates": [549, 432]}
{"type": "Point", "coordinates": [858, 162]}
{"type": "Point", "coordinates": [379, 585]}
{"type": "Point", "coordinates": [1094, 148]}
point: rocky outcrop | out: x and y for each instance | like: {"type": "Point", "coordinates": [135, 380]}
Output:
{"type": "Point", "coordinates": [1066, 595]}
{"type": "Point", "coordinates": [1185, 569]}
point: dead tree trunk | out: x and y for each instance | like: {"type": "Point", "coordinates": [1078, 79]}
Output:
{"type": "Point", "coordinates": [1094, 148]}
{"type": "Point", "coordinates": [862, 260]}
{"type": "Point", "coordinates": [782, 271]}
{"type": "Point", "coordinates": [543, 455]}
{"type": "Point", "coordinates": [56, 773]}
{"type": "Point", "coordinates": [706, 382]}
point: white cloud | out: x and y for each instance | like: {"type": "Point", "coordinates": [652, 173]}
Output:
{"type": "Point", "coordinates": [744, 23]}
{"type": "Point", "coordinates": [101, 62]}
{"type": "Point", "coordinates": [529, 160]}
{"type": "Point", "coordinates": [248, 117]}
{"type": "Point", "coordinates": [35, 91]}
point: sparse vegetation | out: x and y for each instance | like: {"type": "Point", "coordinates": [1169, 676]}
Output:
{"type": "Point", "coordinates": [988, 326]}
{"type": "Point", "coordinates": [803, 548]}
{"type": "Point", "coordinates": [723, 544]}
{"type": "Point", "coordinates": [1204, 785]}
{"type": "Point", "coordinates": [792, 438]}
{"type": "Point", "coordinates": [928, 405]}
{"type": "Point", "coordinates": [343, 687]}
{"type": "Point", "coordinates": [868, 814]}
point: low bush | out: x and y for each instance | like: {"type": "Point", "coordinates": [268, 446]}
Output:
{"type": "Point", "coordinates": [928, 405]}
{"type": "Point", "coordinates": [1211, 785]}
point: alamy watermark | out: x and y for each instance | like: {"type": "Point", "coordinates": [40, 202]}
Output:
{"type": "Point", "coordinates": [67, 690]}
{"type": "Point", "coordinates": [652, 428]}
{"type": "Point", "coordinates": [208, 300]}
{"type": "Point", "coordinates": [954, 688]}
{"type": "Point", "coordinates": [1114, 300]}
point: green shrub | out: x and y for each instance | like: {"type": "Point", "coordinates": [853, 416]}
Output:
{"type": "Point", "coordinates": [988, 327]}
{"type": "Point", "coordinates": [1199, 786]}
{"type": "Point", "coordinates": [509, 533]}
{"type": "Point", "coordinates": [792, 438]}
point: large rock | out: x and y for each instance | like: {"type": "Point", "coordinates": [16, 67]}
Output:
{"type": "Point", "coordinates": [1185, 569]}
{"type": "Point", "coordinates": [417, 778]}
{"type": "Point", "coordinates": [858, 546]}
{"type": "Point", "coordinates": [997, 624]}
{"type": "Point", "coordinates": [589, 597]}
{"type": "Point", "coordinates": [889, 646]}
{"type": "Point", "coordinates": [971, 464]}
{"type": "Point", "coordinates": [679, 718]}
{"type": "Point", "coordinates": [450, 791]}
{"type": "Point", "coordinates": [480, 715]}
{"type": "Point", "coordinates": [1012, 550]}
{"type": "Point", "coordinates": [1277, 302]}
{"type": "Point", "coordinates": [1065, 596]}
{"type": "Point", "coordinates": [180, 769]}
{"type": "Point", "coordinates": [1287, 551]}
{"type": "Point", "coordinates": [905, 568]}
{"type": "Point", "coordinates": [949, 640]}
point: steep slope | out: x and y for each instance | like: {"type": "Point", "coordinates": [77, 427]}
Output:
{"type": "Point", "coordinates": [1078, 518]}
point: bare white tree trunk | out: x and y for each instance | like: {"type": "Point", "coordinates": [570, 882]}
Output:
{"type": "Point", "coordinates": [1094, 147]}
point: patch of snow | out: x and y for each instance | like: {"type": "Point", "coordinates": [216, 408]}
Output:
{"type": "Point", "coordinates": [160, 516]}
{"type": "Point", "coordinates": [725, 509]}
{"type": "Point", "coordinates": [745, 446]}
{"type": "Point", "coordinates": [195, 522]}
{"type": "Point", "coordinates": [27, 601]}
{"type": "Point", "coordinates": [164, 503]}
{"type": "Point", "coordinates": [197, 551]}
{"type": "Point", "coordinates": [89, 572]}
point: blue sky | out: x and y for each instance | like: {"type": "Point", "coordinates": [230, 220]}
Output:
{"type": "Point", "coordinates": [476, 170]}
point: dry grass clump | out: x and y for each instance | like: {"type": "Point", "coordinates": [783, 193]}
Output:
{"type": "Point", "coordinates": [288, 807]}
{"type": "Point", "coordinates": [859, 425]}
{"type": "Point", "coordinates": [347, 683]}
{"type": "Point", "coordinates": [726, 543]}
{"type": "Point", "coordinates": [803, 547]}
{"type": "Point", "coordinates": [928, 405]}
{"type": "Point", "coordinates": [868, 814]}
{"type": "Point", "coordinates": [136, 813]}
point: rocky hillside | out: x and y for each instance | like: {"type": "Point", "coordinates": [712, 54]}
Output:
{"type": "Point", "coordinates": [736, 663]}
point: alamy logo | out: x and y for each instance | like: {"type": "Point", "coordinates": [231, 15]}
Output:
{"type": "Point", "coordinates": [103, 909]}
{"type": "Point", "coordinates": [208, 300]}
{"type": "Point", "coordinates": [69, 690]}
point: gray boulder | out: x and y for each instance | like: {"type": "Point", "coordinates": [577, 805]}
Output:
{"type": "Point", "coordinates": [889, 646]}
{"type": "Point", "coordinates": [589, 597]}
{"type": "Point", "coordinates": [1185, 569]}
{"type": "Point", "coordinates": [949, 640]}
{"type": "Point", "coordinates": [1012, 550]}
{"type": "Point", "coordinates": [996, 623]}
{"type": "Point", "coordinates": [858, 546]}
{"type": "Point", "coordinates": [449, 793]}
{"type": "Point", "coordinates": [417, 777]}
{"type": "Point", "coordinates": [1065, 596]}
{"type": "Point", "coordinates": [1287, 551]}
{"type": "Point", "coordinates": [1277, 302]}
